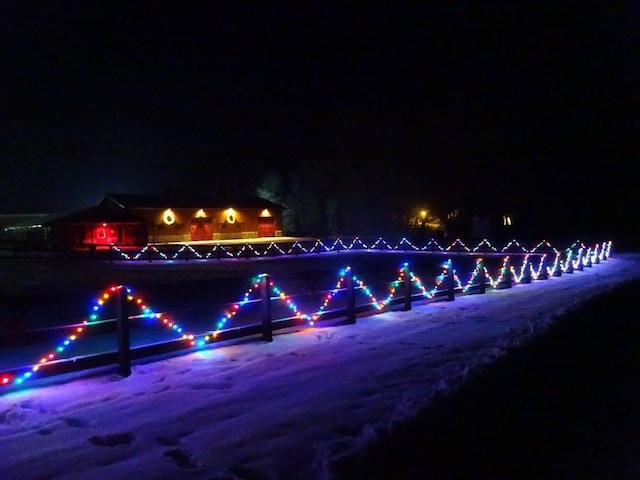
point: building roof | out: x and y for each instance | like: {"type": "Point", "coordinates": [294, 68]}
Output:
{"type": "Point", "coordinates": [126, 201]}
{"type": "Point", "coordinates": [117, 207]}
{"type": "Point", "coordinates": [97, 214]}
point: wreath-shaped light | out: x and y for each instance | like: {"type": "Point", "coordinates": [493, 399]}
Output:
{"type": "Point", "coordinates": [231, 215]}
{"type": "Point", "coordinates": [169, 217]}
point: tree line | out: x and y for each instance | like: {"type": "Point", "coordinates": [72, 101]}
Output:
{"type": "Point", "coordinates": [326, 197]}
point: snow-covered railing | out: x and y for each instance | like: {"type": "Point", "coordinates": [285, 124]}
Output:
{"type": "Point", "coordinates": [266, 307]}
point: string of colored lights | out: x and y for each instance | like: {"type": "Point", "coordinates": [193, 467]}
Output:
{"type": "Point", "coordinates": [338, 243]}
{"type": "Point", "coordinates": [474, 274]}
{"type": "Point", "coordinates": [153, 248]}
{"type": "Point", "coordinates": [186, 247]}
{"type": "Point", "coordinates": [543, 245]}
{"type": "Point", "coordinates": [526, 266]}
{"type": "Point", "coordinates": [405, 243]}
{"type": "Point", "coordinates": [357, 243]}
{"type": "Point", "coordinates": [316, 247]}
{"type": "Point", "coordinates": [457, 245]}
{"type": "Point", "coordinates": [235, 308]}
{"type": "Point", "coordinates": [274, 246]}
{"type": "Point", "coordinates": [433, 246]}
{"type": "Point", "coordinates": [440, 278]}
{"type": "Point", "coordinates": [380, 243]}
{"type": "Point", "coordinates": [567, 265]}
{"type": "Point", "coordinates": [513, 244]}
{"type": "Point", "coordinates": [423, 290]}
{"type": "Point", "coordinates": [298, 246]}
{"type": "Point", "coordinates": [379, 305]}
{"type": "Point", "coordinates": [292, 306]}
{"type": "Point", "coordinates": [537, 273]}
{"type": "Point", "coordinates": [483, 245]}
{"type": "Point", "coordinates": [331, 293]}
{"type": "Point", "coordinates": [79, 331]}
{"type": "Point", "coordinates": [218, 251]}
{"type": "Point", "coordinates": [583, 258]}
{"type": "Point", "coordinates": [219, 248]}
{"type": "Point", "coordinates": [247, 250]}
{"type": "Point", "coordinates": [495, 282]}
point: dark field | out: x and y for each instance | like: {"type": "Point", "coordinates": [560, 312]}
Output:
{"type": "Point", "coordinates": [47, 293]}
{"type": "Point", "coordinates": [565, 406]}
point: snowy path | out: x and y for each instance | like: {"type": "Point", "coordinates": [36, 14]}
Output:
{"type": "Point", "coordinates": [284, 409]}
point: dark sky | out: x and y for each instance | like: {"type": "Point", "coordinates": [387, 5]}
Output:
{"type": "Point", "coordinates": [533, 102]}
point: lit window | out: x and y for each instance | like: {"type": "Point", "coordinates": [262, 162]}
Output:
{"type": "Point", "coordinates": [201, 214]}
{"type": "Point", "coordinates": [230, 215]}
{"type": "Point", "coordinates": [169, 217]}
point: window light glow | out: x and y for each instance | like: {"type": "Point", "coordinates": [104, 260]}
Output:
{"type": "Point", "coordinates": [168, 217]}
{"type": "Point", "coordinates": [230, 215]}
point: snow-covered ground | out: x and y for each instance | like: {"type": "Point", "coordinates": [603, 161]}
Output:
{"type": "Point", "coordinates": [280, 410]}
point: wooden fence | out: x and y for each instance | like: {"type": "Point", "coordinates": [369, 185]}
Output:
{"type": "Point", "coordinates": [516, 268]}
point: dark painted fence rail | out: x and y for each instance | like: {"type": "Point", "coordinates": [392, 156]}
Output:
{"type": "Point", "coordinates": [517, 268]}
{"type": "Point", "coordinates": [254, 248]}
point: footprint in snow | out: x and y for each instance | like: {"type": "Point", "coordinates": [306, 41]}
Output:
{"type": "Point", "coordinates": [75, 422]}
{"type": "Point", "coordinates": [346, 430]}
{"type": "Point", "coordinates": [112, 440]}
{"type": "Point", "coordinates": [168, 441]}
{"type": "Point", "coordinates": [212, 386]}
{"type": "Point", "coordinates": [181, 458]}
{"type": "Point", "coordinates": [27, 403]}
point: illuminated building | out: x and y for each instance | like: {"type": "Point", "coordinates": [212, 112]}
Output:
{"type": "Point", "coordinates": [126, 219]}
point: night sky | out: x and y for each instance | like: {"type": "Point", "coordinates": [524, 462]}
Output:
{"type": "Point", "coordinates": [532, 104]}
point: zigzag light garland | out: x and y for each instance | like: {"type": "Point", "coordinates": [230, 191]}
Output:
{"type": "Point", "coordinates": [84, 327]}
{"type": "Point", "coordinates": [248, 251]}
{"type": "Point", "coordinates": [575, 257]}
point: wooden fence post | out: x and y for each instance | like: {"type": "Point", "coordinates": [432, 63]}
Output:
{"type": "Point", "coordinates": [588, 256]}
{"type": "Point", "coordinates": [450, 282]}
{"type": "Point", "coordinates": [526, 271]}
{"type": "Point", "coordinates": [544, 270]}
{"type": "Point", "coordinates": [507, 278]}
{"type": "Point", "coordinates": [351, 296]}
{"type": "Point", "coordinates": [406, 277]}
{"type": "Point", "coordinates": [122, 323]}
{"type": "Point", "coordinates": [482, 279]}
{"type": "Point", "coordinates": [557, 271]}
{"type": "Point", "coordinates": [265, 297]}
{"type": "Point", "coordinates": [569, 263]}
